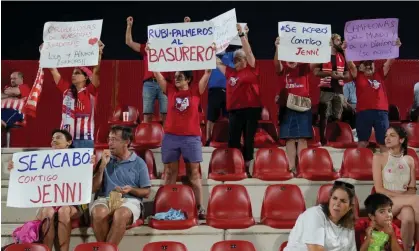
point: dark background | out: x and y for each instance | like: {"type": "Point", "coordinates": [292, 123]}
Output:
{"type": "Point", "coordinates": [22, 22]}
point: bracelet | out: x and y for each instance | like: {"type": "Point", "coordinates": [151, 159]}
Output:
{"type": "Point", "coordinates": [241, 34]}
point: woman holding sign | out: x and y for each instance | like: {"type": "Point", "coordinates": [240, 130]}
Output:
{"type": "Point", "coordinates": [79, 102]}
{"type": "Point", "coordinates": [61, 139]}
{"type": "Point", "coordinates": [243, 98]}
{"type": "Point", "coordinates": [295, 108]}
{"type": "Point", "coordinates": [182, 129]}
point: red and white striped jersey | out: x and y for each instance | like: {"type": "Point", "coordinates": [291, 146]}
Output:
{"type": "Point", "coordinates": [78, 118]}
{"type": "Point", "coordinates": [17, 103]}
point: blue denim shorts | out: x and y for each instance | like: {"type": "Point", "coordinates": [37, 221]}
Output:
{"type": "Point", "coordinates": [174, 145]}
{"type": "Point", "coordinates": [368, 119]}
{"type": "Point", "coordinates": [151, 92]}
{"type": "Point", "coordinates": [83, 143]}
{"type": "Point", "coordinates": [11, 116]}
{"type": "Point", "coordinates": [295, 125]}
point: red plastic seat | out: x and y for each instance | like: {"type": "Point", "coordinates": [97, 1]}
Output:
{"type": "Point", "coordinates": [227, 165]}
{"type": "Point", "coordinates": [266, 124]}
{"type": "Point", "coordinates": [229, 207]}
{"type": "Point", "coordinates": [357, 164]}
{"type": "Point", "coordinates": [219, 137]}
{"type": "Point", "coordinates": [117, 116]}
{"type": "Point", "coordinates": [148, 136]}
{"type": "Point", "coordinates": [316, 164]}
{"type": "Point", "coordinates": [271, 164]}
{"type": "Point", "coordinates": [324, 194]}
{"type": "Point", "coordinates": [165, 246]}
{"type": "Point", "coordinates": [96, 246]}
{"type": "Point", "coordinates": [315, 141]}
{"type": "Point", "coordinates": [17, 125]}
{"type": "Point", "coordinates": [263, 139]}
{"type": "Point", "coordinates": [148, 157]}
{"type": "Point", "coordinates": [283, 245]}
{"type": "Point", "coordinates": [412, 152]}
{"type": "Point", "coordinates": [339, 135]}
{"type": "Point", "coordinates": [412, 130]}
{"type": "Point", "coordinates": [282, 204]}
{"type": "Point", "coordinates": [102, 135]}
{"type": "Point", "coordinates": [27, 247]}
{"type": "Point", "coordinates": [234, 245]}
{"type": "Point", "coordinates": [178, 197]}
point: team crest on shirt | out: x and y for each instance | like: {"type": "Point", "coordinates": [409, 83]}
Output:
{"type": "Point", "coordinates": [233, 81]}
{"type": "Point", "coordinates": [182, 103]}
{"type": "Point", "coordinates": [374, 84]}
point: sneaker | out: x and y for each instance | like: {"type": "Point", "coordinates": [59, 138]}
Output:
{"type": "Point", "coordinates": [202, 214]}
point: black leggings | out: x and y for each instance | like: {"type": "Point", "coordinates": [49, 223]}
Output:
{"type": "Point", "coordinates": [243, 121]}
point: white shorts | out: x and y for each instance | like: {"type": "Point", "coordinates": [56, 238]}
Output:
{"type": "Point", "coordinates": [134, 205]}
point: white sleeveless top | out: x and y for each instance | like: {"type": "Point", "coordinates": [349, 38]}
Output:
{"type": "Point", "coordinates": [396, 174]}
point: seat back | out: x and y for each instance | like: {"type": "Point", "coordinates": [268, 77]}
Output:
{"type": "Point", "coordinates": [228, 160]}
{"type": "Point", "coordinates": [269, 160]}
{"type": "Point", "coordinates": [165, 246]}
{"type": "Point", "coordinates": [228, 201]}
{"type": "Point", "coordinates": [324, 194]}
{"type": "Point", "coordinates": [102, 134]}
{"type": "Point", "coordinates": [283, 202]}
{"type": "Point", "coordinates": [96, 246]}
{"type": "Point", "coordinates": [220, 131]}
{"type": "Point", "coordinates": [339, 132]}
{"type": "Point", "coordinates": [27, 247]}
{"type": "Point", "coordinates": [412, 152]}
{"type": "Point", "coordinates": [357, 160]}
{"type": "Point", "coordinates": [315, 159]}
{"type": "Point", "coordinates": [149, 135]}
{"type": "Point", "coordinates": [178, 197]}
{"type": "Point", "coordinates": [148, 157]}
{"type": "Point", "coordinates": [233, 245]}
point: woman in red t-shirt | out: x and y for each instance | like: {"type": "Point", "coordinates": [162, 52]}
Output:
{"type": "Point", "coordinates": [79, 102]}
{"type": "Point", "coordinates": [182, 129]}
{"type": "Point", "coordinates": [243, 98]}
{"type": "Point", "coordinates": [372, 103]}
{"type": "Point", "coordinates": [295, 126]}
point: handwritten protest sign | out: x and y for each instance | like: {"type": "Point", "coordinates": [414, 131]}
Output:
{"type": "Point", "coordinates": [372, 39]}
{"type": "Point", "coordinates": [224, 29]}
{"type": "Point", "coordinates": [236, 40]}
{"type": "Point", "coordinates": [304, 42]}
{"type": "Point", "coordinates": [68, 44]}
{"type": "Point", "coordinates": [50, 178]}
{"type": "Point", "coordinates": [181, 47]}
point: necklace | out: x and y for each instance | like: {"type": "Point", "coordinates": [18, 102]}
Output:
{"type": "Point", "coordinates": [394, 155]}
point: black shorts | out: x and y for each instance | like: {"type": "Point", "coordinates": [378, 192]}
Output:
{"type": "Point", "coordinates": [216, 103]}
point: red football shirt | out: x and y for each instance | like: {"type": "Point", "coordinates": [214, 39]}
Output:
{"type": "Point", "coordinates": [84, 123]}
{"type": "Point", "coordinates": [148, 74]}
{"type": "Point", "coordinates": [370, 91]}
{"type": "Point", "coordinates": [296, 79]}
{"type": "Point", "coordinates": [362, 225]}
{"type": "Point", "coordinates": [182, 110]}
{"type": "Point", "coordinates": [243, 88]}
{"type": "Point", "coordinates": [18, 102]}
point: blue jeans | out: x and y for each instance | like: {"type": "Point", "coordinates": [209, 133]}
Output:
{"type": "Point", "coordinates": [83, 143]}
{"type": "Point", "coordinates": [10, 116]}
{"type": "Point", "coordinates": [366, 120]}
{"type": "Point", "coordinates": [151, 92]}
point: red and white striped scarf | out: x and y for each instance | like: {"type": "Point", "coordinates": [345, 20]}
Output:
{"type": "Point", "coordinates": [34, 95]}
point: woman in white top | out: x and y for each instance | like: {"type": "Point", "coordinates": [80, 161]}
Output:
{"type": "Point", "coordinates": [329, 226]}
{"type": "Point", "coordinates": [394, 175]}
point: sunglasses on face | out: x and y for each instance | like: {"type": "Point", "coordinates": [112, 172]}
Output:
{"type": "Point", "coordinates": [339, 183]}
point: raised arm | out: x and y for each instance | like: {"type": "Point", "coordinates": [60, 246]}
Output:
{"type": "Point", "coordinates": [246, 47]}
{"type": "Point", "coordinates": [351, 65]}
{"type": "Point", "coordinates": [161, 80]}
{"type": "Point", "coordinates": [96, 69]}
{"type": "Point", "coordinates": [278, 64]}
{"type": "Point", "coordinates": [389, 62]}
{"type": "Point", "coordinates": [203, 83]}
{"type": "Point", "coordinates": [128, 36]}
{"type": "Point", "coordinates": [220, 66]}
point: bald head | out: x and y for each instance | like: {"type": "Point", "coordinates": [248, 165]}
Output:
{"type": "Point", "coordinates": [16, 78]}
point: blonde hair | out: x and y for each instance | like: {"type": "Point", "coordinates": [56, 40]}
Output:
{"type": "Point", "coordinates": [239, 53]}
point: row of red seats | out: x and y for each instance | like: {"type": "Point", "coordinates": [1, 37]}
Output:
{"type": "Point", "coordinates": [271, 164]}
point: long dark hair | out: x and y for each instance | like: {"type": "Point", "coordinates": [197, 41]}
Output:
{"type": "Point", "coordinates": [401, 132]}
{"type": "Point", "coordinates": [348, 220]}
{"type": "Point", "coordinates": [73, 88]}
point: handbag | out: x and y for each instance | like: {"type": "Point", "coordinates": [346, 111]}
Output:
{"type": "Point", "coordinates": [298, 103]}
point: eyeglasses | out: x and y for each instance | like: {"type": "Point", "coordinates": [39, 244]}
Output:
{"type": "Point", "coordinates": [339, 183]}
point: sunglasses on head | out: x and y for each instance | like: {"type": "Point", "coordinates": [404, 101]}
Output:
{"type": "Point", "coordinates": [339, 183]}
